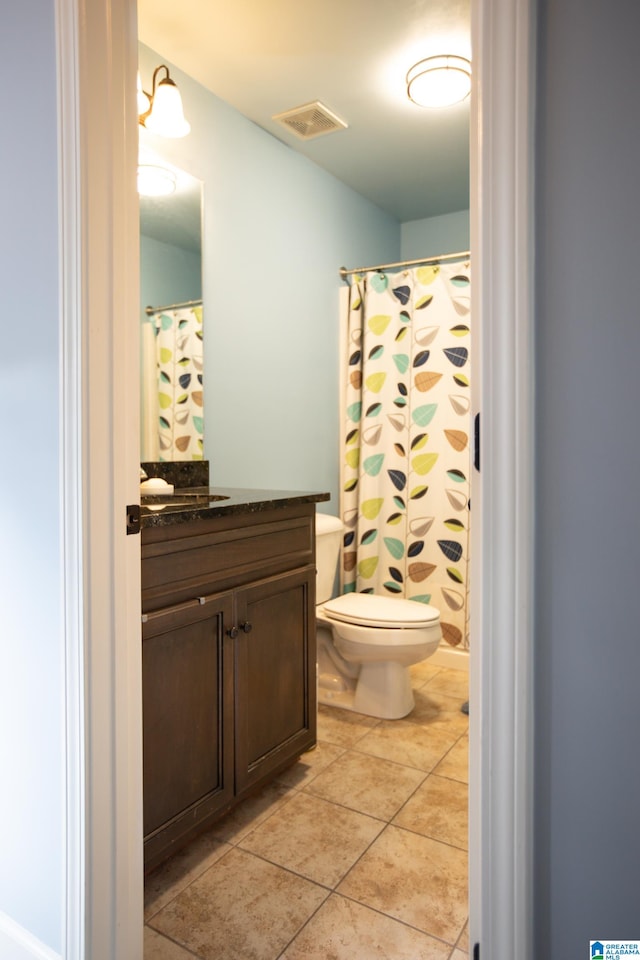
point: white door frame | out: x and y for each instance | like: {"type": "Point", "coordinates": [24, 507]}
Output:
{"type": "Point", "coordinates": [97, 53]}
{"type": "Point", "coordinates": [99, 238]}
{"type": "Point", "coordinates": [501, 669]}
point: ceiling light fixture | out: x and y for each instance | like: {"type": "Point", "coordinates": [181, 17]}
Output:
{"type": "Point", "coordinates": [163, 114]}
{"type": "Point", "coordinates": [155, 181]}
{"type": "Point", "coordinates": [439, 81]}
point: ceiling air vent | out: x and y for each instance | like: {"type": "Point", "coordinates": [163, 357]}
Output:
{"type": "Point", "coordinates": [311, 120]}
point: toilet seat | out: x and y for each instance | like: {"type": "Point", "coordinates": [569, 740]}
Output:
{"type": "Point", "coordinates": [384, 613]}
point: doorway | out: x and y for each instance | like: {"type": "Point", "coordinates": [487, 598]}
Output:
{"type": "Point", "coordinates": [500, 235]}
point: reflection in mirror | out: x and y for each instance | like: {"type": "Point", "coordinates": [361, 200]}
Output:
{"type": "Point", "coordinates": [172, 425]}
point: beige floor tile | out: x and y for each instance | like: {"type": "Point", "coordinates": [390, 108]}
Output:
{"type": "Point", "coordinates": [436, 709]}
{"type": "Point", "coordinates": [415, 879]}
{"type": "Point", "coordinates": [408, 743]}
{"type": "Point", "coordinates": [157, 947]}
{"type": "Point", "coordinates": [422, 672]}
{"type": "Point", "coordinates": [344, 930]}
{"type": "Point", "coordinates": [463, 942]}
{"type": "Point", "coordinates": [438, 809]}
{"type": "Point", "coordinates": [455, 764]}
{"type": "Point", "coordinates": [454, 683]}
{"type": "Point", "coordinates": [316, 839]}
{"type": "Point", "coordinates": [183, 868]}
{"type": "Point", "coordinates": [367, 784]}
{"type": "Point", "coordinates": [240, 909]}
{"type": "Point", "coordinates": [459, 955]}
{"type": "Point", "coordinates": [252, 811]}
{"type": "Point", "coordinates": [342, 727]}
{"type": "Point", "coordinates": [310, 764]}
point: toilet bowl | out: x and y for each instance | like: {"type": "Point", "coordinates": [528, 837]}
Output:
{"type": "Point", "coordinates": [366, 643]}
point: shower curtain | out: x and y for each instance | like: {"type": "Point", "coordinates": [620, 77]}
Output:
{"type": "Point", "coordinates": [178, 363]}
{"type": "Point", "coordinates": [405, 463]}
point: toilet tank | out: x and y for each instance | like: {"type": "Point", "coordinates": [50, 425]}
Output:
{"type": "Point", "coordinates": [328, 541]}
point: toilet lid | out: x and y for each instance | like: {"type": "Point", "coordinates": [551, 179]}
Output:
{"type": "Point", "coordinates": [371, 610]}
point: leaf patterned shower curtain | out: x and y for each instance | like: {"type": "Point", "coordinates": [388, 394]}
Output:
{"type": "Point", "coordinates": [180, 395]}
{"type": "Point", "coordinates": [405, 467]}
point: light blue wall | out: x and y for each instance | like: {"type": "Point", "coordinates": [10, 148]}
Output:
{"type": "Point", "coordinates": [448, 233]}
{"type": "Point", "coordinates": [31, 640]}
{"type": "Point", "coordinates": [587, 709]}
{"type": "Point", "coordinates": [168, 274]}
{"type": "Point", "coordinates": [277, 229]}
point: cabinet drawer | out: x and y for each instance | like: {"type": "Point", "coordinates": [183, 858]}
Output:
{"type": "Point", "coordinates": [221, 558]}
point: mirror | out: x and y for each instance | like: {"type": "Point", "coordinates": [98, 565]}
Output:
{"type": "Point", "coordinates": [172, 419]}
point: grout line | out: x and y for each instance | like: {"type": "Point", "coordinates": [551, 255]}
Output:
{"type": "Point", "coordinates": [403, 766]}
{"type": "Point", "coordinates": [344, 806]}
{"type": "Point", "coordinates": [444, 756]}
{"type": "Point", "coordinates": [200, 874]}
{"type": "Point", "coordinates": [305, 783]}
{"type": "Point", "coordinates": [444, 776]}
{"type": "Point", "coordinates": [243, 832]}
{"type": "Point", "coordinates": [290, 870]}
{"type": "Point", "coordinates": [428, 836]}
{"type": "Point", "coordinates": [305, 924]}
{"type": "Point", "coordinates": [456, 947]}
{"type": "Point", "coordinates": [177, 943]}
{"type": "Point", "coordinates": [404, 923]}
{"type": "Point", "coordinates": [387, 916]}
{"type": "Point", "coordinates": [409, 766]}
{"type": "Point", "coordinates": [421, 784]}
{"type": "Point", "coordinates": [332, 889]}
{"type": "Point", "coordinates": [357, 861]}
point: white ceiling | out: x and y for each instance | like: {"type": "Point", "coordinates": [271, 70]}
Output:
{"type": "Point", "coordinates": [176, 218]}
{"type": "Point", "coordinates": [267, 56]}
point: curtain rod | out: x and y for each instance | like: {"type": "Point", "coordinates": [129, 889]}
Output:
{"type": "Point", "coordinates": [172, 306]}
{"type": "Point", "coordinates": [344, 273]}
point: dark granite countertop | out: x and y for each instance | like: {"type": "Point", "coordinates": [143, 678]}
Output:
{"type": "Point", "coordinates": [199, 503]}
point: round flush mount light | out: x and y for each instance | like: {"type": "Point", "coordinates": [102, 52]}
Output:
{"type": "Point", "coordinates": [439, 81]}
{"type": "Point", "coordinates": [155, 181]}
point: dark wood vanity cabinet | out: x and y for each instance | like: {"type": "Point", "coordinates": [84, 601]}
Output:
{"type": "Point", "coordinates": [228, 664]}
{"type": "Point", "coordinates": [272, 692]}
{"type": "Point", "coordinates": [187, 697]}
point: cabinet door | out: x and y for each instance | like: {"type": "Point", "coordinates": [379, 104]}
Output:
{"type": "Point", "coordinates": [275, 674]}
{"type": "Point", "coordinates": [187, 675]}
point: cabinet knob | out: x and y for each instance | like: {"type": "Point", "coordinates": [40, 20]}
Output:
{"type": "Point", "coordinates": [246, 626]}
{"type": "Point", "coordinates": [232, 632]}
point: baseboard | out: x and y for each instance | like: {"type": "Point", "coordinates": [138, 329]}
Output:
{"type": "Point", "coordinates": [450, 658]}
{"type": "Point", "coordinates": [16, 943]}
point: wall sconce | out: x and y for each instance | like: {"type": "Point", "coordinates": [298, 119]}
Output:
{"type": "Point", "coordinates": [161, 111]}
{"type": "Point", "coordinates": [439, 81]}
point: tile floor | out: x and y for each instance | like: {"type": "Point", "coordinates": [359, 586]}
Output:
{"type": "Point", "coordinates": [357, 852]}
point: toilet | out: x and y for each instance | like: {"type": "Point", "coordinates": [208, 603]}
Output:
{"type": "Point", "coordinates": [366, 643]}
